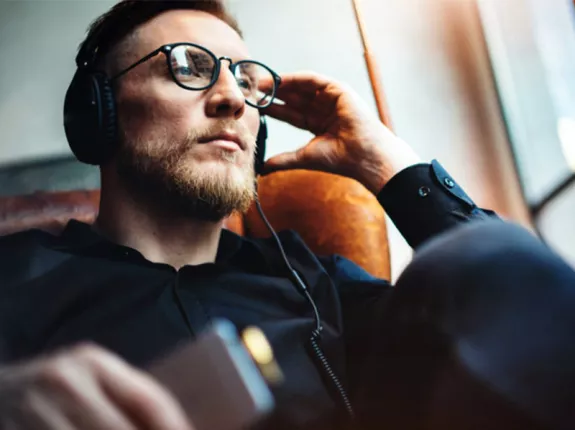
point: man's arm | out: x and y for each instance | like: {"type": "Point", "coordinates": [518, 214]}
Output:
{"type": "Point", "coordinates": [424, 200]}
{"type": "Point", "coordinates": [350, 140]}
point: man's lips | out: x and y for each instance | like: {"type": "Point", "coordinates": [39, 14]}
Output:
{"type": "Point", "coordinates": [230, 140]}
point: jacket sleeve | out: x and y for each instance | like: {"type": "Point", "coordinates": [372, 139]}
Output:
{"type": "Point", "coordinates": [424, 201]}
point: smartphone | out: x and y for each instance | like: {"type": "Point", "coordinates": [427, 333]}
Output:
{"type": "Point", "coordinates": [217, 380]}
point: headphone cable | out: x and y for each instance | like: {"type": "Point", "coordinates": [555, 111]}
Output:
{"type": "Point", "coordinates": [316, 333]}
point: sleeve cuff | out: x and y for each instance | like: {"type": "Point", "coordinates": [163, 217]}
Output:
{"type": "Point", "coordinates": [424, 200]}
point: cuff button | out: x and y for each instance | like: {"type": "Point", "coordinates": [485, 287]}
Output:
{"type": "Point", "coordinates": [424, 191]}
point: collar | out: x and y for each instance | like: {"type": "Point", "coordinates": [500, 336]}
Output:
{"type": "Point", "coordinates": [79, 237]}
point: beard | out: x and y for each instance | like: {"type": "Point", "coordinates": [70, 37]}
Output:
{"type": "Point", "coordinates": [168, 176]}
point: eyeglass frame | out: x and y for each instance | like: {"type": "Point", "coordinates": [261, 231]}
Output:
{"type": "Point", "coordinates": [167, 50]}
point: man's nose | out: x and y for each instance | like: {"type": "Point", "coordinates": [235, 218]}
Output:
{"type": "Point", "coordinates": [225, 97]}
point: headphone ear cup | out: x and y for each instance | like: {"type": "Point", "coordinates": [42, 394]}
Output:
{"type": "Point", "coordinates": [90, 118]}
{"type": "Point", "coordinates": [261, 141]}
{"type": "Point", "coordinates": [110, 123]}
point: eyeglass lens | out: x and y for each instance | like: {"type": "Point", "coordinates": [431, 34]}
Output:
{"type": "Point", "coordinates": [194, 68]}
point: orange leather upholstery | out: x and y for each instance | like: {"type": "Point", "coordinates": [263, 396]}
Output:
{"type": "Point", "coordinates": [333, 214]}
{"type": "Point", "coordinates": [47, 211]}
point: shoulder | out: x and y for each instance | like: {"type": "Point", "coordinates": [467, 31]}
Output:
{"type": "Point", "coordinates": [24, 240]}
{"type": "Point", "coordinates": [19, 253]}
{"type": "Point", "coordinates": [344, 269]}
{"type": "Point", "coordinates": [345, 274]}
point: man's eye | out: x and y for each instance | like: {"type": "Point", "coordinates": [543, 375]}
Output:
{"type": "Point", "coordinates": [245, 83]}
{"type": "Point", "coordinates": [183, 70]}
{"type": "Point", "coordinates": [192, 70]}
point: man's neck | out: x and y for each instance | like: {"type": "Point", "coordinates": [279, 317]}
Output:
{"type": "Point", "coordinates": [161, 237]}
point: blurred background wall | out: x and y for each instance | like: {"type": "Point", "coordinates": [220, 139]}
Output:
{"type": "Point", "coordinates": [436, 68]}
{"type": "Point", "coordinates": [532, 48]}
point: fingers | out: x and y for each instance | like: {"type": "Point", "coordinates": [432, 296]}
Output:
{"type": "Point", "coordinates": [301, 89]}
{"type": "Point", "coordinates": [310, 92]}
{"type": "Point", "coordinates": [59, 392]}
{"type": "Point", "coordinates": [285, 161]}
{"type": "Point", "coordinates": [137, 393]}
{"type": "Point", "coordinates": [312, 121]}
{"type": "Point", "coordinates": [319, 154]}
{"type": "Point", "coordinates": [308, 100]}
{"type": "Point", "coordinates": [39, 412]}
{"type": "Point", "coordinates": [320, 104]}
{"type": "Point", "coordinates": [287, 114]}
{"type": "Point", "coordinates": [303, 83]}
{"type": "Point", "coordinates": [295, 100]}
{"type": "Point", "coordinates": [70, 386]}
{"type": "Point", "coordinates": [88, 388]}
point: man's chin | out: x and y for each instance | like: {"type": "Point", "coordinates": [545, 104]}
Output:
{"type": "Point", "coordinates": [203, 189]}
{"type": "Point", "coordinates": [222, 164]}
{"type": "Point", "coordinates": [225, 172]}
{"type": "Point", "coordinates": [215, 193]}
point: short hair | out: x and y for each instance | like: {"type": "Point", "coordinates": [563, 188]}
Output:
{"type": "Point", "coordinates": [113, 30]}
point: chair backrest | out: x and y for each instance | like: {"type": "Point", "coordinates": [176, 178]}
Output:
{"type": "Point", "coordinates": [333, 214]}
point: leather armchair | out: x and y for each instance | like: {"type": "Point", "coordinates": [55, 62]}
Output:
{"type": "Point", "coordinates": [333, 214]}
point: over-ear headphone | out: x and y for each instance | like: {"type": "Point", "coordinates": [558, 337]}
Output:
{"type": "Point", "coordinates": [91, 121]}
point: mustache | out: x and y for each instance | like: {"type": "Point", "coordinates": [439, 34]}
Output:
{"type": "Point", "coordinates": [220, 127]}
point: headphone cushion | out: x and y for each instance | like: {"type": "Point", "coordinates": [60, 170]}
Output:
{"type": "Point", "coordinates": [110, 125]}
{"type": "Point", "coordinates": [90, 118]}
{"type": "Point", "coordinates": [261, 141]}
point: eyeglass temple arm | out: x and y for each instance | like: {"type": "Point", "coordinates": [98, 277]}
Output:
{"type": "Point", "coordinates": [136, 64]}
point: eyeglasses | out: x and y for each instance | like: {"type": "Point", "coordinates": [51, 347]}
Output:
{"type": "Point", "coordinates": [195, 68]}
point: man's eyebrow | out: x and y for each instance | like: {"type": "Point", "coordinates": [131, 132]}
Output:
{"type": "Point", "coordinates": [250, 70]}
{"type": "Point", "coordinates": [234, 57]}
{"type": "Point", "coordinates": [243, 58]}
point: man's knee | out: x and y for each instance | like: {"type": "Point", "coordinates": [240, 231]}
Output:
{"type": "Point", "coordinates": [484, 254]}
{"type": "Point", "coordinates": [504, 302]}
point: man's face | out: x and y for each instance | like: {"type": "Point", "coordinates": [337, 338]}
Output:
{"type": "Point", "coordinates": [169, 148]}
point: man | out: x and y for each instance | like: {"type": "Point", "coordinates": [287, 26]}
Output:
{"type": "Point", "coordinates": [469, 338]}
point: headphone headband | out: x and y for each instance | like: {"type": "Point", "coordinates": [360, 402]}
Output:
{"type": "Point", "coordinates": [88, 52]}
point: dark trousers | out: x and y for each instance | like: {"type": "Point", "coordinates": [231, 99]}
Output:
{"type": "Point", "coordinates": [479, 334]}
